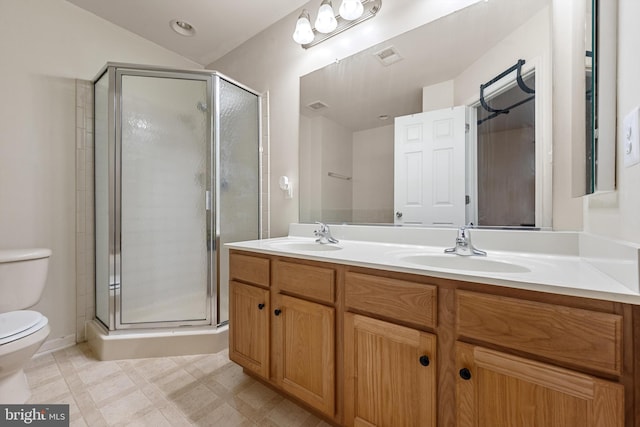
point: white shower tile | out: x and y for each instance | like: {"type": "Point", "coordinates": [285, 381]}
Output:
{"type": "Point", "coordinates": [80, 332]}
{"type": "Point", "coordinates": [80, 138]}
{"type": "Point", "coordinates": [80, 181]}
{"type": "Point", "coordinates": [88, 140]}
{"type": "Point", "coordinates": [80, 117]}
{"type": "Point", "coordinates": [88, 153]}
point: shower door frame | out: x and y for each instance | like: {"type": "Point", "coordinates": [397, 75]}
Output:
{"type": "Point", "coordinates": [211, 220]}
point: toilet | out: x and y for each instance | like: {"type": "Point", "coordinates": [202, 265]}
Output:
{"type": "Point", "coordinates": [23, 273]}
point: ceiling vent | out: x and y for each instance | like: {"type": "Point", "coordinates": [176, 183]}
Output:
{"type": "Point", "coordinates": [388, 56]}
{"type": "Point", "coordinates": [317, 106]}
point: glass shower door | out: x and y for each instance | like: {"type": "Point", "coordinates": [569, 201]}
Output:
{"type": "Point", "coordinates": [239, 170]}
{"type": "Point", "coordinates": [165, 169]}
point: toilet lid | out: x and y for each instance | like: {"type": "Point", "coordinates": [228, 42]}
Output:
{"type": "Point", "coordinates": [17, 324]}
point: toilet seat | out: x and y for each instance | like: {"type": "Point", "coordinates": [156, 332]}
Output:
{"type": "Point", "coordinates": [18, 324]}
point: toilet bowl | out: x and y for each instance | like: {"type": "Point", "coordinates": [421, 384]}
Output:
{"type": "Point", "coordinates": [22, 332]}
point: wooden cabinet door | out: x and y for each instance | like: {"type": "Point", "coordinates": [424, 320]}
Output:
{"type": "Point", "coordinates": [390, 374]}
{"type": "Point", "coordinates": [498, 389]}
{"type": "Point", "coordinates": [303, 348]}
{"type": "Point", "coordinates": [249, 327]}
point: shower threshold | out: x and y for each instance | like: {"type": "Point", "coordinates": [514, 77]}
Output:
{"type": "Point", "coordinates": [135, 344]}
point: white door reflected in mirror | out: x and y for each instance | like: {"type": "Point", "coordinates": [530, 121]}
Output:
{"type": "Point", "coordinates": [429, 183]}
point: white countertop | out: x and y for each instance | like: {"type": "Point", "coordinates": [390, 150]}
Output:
{"type": "Point", "coordinates": [558, 273]}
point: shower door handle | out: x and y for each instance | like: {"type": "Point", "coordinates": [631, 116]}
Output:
{"type": "Point", "coordinates": [207, 200]}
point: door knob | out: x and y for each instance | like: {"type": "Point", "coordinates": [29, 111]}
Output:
{"type": "Point", "coordinates": [398, 214]}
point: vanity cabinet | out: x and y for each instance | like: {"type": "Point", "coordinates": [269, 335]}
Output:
{"type": "Point", "coordinates": [249, 327]}
{"type": "Point", "coordinates": [303, 348]}
{"type": "Point", "coordinates": [499, 389]}
{"type": "Point", "coordinates": [390, 369]}
{"type": "Point", "coordinates": [391, 374]}
{"type": "Point", "coordinates": [373, 348]}
{"type": "Point", "coordinates": [303, 332]}
{"type": "Point", "coordinates": [282, 326]}
{"type": "Point", "coordinates": [249, 312]}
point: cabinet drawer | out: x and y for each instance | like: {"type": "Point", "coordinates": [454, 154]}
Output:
{"type": "Point", "coordinates": [250, 269]}
{"type": "Point", "coordinates": [395, 299]}
{"type": "Point", "coordinates": [580, 337]}
{"type": "Point", "coordinates": [306, 280]}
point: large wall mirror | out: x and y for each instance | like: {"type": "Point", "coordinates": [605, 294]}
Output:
{"type": "Point", "coordinates": [357, 113]}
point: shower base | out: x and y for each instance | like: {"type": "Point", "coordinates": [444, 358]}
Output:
{"type": "Point", "coordinates": [167, 342]}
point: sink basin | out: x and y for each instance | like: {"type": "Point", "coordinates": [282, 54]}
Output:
{"type": "Point", "coordinates": [305, 246]}
{"type": "Point", "coordinates": [471, 263]}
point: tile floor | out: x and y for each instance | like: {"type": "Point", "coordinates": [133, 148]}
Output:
{"type": "Point", "coordinates": [202, 390]}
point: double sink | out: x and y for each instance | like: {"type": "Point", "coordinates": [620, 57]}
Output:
{"type": "Point", "coordinates": [421, 259]}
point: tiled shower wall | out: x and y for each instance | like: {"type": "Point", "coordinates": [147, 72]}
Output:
{"type": "Point", "coordinates": [85, 273]}
{"type": "Point", "coordinates": [85, 243]}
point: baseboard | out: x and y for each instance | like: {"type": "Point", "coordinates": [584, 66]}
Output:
{"type": "Point", "coordinates": [56, 344]}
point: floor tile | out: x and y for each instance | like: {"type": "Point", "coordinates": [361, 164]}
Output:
{"type": "Point", "coordinates": [288, 414]}
{"type": "Point", "coordinates": [256, 395]}
{"type": "Point", "coordinates": [198, 390]}
{"type": "Point", "coordinates": [97, 372]}
{"type": "Point", "coordinates": [128, 407]}
{"type": "Point", "coordinates": [112, 386]}
{"type": "Point", "coordinates": [224, 415]}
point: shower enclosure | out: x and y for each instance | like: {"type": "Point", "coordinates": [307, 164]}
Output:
{"type": "Point", "coordinates": [177, 175]}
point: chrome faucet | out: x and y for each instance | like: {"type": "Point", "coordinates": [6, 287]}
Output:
{"type": "Point", "coordinates": [463, 246]}
{"type": "Point", "coordinates": [323, 234]}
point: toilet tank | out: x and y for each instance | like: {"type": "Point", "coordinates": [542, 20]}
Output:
{"type": "Point", "coordinates": [23, 273]}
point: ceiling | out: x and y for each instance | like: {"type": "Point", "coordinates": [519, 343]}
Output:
{"type": "Point", "coordinates": [359, 89]}
{"type": "Point", "coordinates": [221, 26]}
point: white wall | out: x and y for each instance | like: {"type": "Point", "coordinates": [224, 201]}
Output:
{"type": "Point", "coordinates": [44, 46]}
{"type": "Point", "coordinates": [328, 149]}
{"type": "Point", "coordinates": [373, 175]}
{"type": "Point", "coordinates": [617, 215]}
{"type": "Point", "coordinates": [438, 96]}
{"type": "Point", "coordinates": [336, 158]}
{"type": "Point", "coordinates": [273, 61]}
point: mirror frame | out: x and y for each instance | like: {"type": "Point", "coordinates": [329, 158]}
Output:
{"type": "Point", "coordinates": [606, 33]}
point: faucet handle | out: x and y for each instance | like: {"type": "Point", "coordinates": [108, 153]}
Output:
{"type": "Point", "coordinates": [323, 227]}
{"type": "Point", "coordinates": [463, 235]}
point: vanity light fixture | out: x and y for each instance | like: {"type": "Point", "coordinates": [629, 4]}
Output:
{"type": "Point", "coordinates": [327, 25]}
{"type": "Point", "coordinates": [326, 20]}
{"type": "Point", "coordinates": [351, 9]}
{"type": "Point", "coordinates": [303, 33]}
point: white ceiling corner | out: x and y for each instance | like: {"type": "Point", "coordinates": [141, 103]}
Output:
{"type": "Point", "coordinates": [221, 26]}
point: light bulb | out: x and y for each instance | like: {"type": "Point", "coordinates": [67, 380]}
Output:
{"type": "Point", "coordinates": [303, 33]}
{"type": "Point", "coordinates": [326, 20]}
{"type": "Point", "coordinates": [351, 9]}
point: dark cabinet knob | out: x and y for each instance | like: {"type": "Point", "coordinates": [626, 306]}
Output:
{"type": "Point", "coordinates": [277, 312]}
{"type": "Point", "coordinates": [465, 374]}
{"type": "Point", "coordinates": [260, 306]}
{"type": "Point", "coordinates": [424, 360]}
